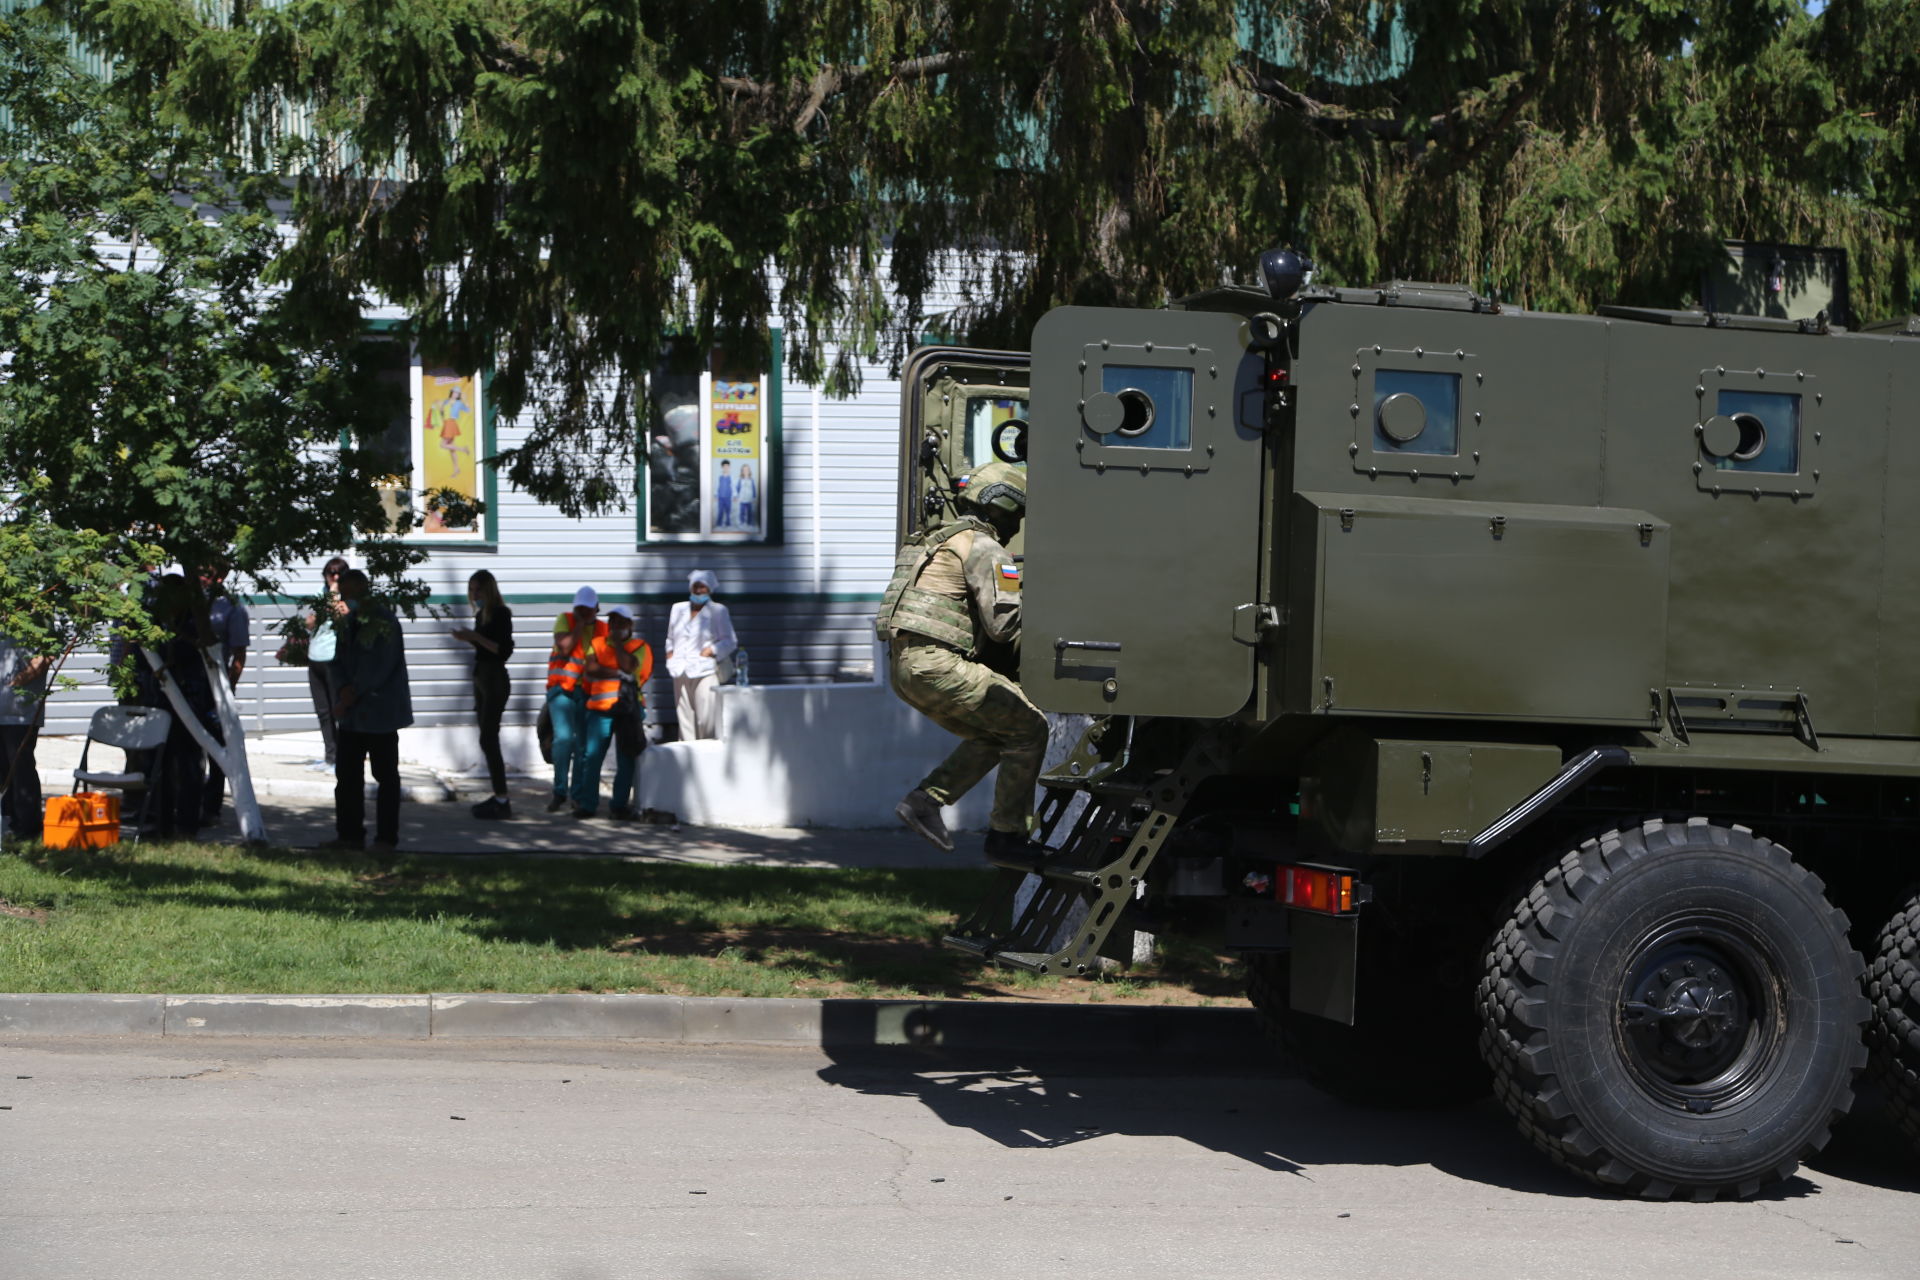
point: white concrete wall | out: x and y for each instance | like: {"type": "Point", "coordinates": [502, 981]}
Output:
{"type": "Point", "coordinates": [839, 755]}
{"type": "Point", "coordinates": [806, 756]}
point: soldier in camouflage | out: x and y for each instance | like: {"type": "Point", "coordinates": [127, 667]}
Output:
{"type": "Point", "coordinates": [954, 591]}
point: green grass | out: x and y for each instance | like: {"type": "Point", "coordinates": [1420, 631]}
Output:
{"type": "Point", "coordinates": [211, 918]}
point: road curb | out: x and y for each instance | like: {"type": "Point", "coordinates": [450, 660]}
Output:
{"type": "Point", "coordinates": [1135, 1031]}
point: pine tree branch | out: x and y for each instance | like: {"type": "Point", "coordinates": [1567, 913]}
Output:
{"type": "Point", "coordinates": [1331, 119]}
{"type": "Point", "coordinates": [833, 81]}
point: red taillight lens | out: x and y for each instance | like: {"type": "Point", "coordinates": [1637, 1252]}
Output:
{"type": "Point", "coordinates": [1315, 889]}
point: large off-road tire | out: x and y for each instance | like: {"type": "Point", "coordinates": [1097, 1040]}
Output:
{"type": "Point", "coordinates": [1675, 1009]}
{"type": "Point", "coordinates": [1893, 984]}
{"type": "Point", "coordinates": [1412, 1040]}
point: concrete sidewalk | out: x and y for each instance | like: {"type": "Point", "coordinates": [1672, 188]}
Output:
{"type": "Point", "coordinates": [436, 818]}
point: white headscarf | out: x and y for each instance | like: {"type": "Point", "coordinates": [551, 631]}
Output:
{"type": "Point", "coordinates": [699, 576]}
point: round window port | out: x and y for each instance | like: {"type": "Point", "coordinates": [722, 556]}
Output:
{"type": "Point", "coordinates": [1402, 417]}
{"type": "Point", "coordinates": [1741, 437]}
{"type": "Point", "coordinates": [1138, 407]}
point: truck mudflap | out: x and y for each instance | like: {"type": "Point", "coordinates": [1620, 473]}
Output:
{"type": "Point", "coordinates": [1053, 913]}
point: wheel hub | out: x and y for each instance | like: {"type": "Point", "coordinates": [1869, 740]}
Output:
{"type": "Point", "coordinates": [1695, 1015]}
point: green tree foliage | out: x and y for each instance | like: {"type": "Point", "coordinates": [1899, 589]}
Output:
{"type": "Point", "coordinates": [63, 590]}
{"type": "Point", "coordinates": [157, 384]}
{"type": "Point", "coordinates": [565, 183]}
{"type": "Point", "coordinates": [166, 395]}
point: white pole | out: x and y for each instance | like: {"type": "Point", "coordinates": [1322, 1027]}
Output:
{"type": "Point", "coordinates": [813, 440]}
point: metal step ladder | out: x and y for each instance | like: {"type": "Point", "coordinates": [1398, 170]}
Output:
{"type": "Point", "coordinates": [1054, 912]}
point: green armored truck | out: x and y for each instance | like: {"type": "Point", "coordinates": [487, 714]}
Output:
{"type": "Point", "coordinates": [1521, 693]}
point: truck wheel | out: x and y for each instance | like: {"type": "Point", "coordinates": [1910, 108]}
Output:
{"type": "Point", "coordinates": [1675, 1010]}
{"type": "Point", "coordinates": [1893, 984]}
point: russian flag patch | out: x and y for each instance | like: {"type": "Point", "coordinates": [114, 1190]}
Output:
{"type": "Point", "coordinates": [1010, 572]}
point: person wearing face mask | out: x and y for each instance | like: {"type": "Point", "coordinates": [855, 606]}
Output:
{"type": "Point", "coordinates": [699, 639]}
{"type": "Point", "coordinates": [574, 633]}
{"type": "Point", "coordinates": [618, 665]}
{"type": "Point", "coordinates": [954, 592]}
{"type": "Point", "coordinates": [372, 702]}
{"type": "Point", "coordinates": [491, 636]}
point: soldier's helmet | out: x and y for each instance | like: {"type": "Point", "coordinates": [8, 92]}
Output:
{"type": "Point", "coordinates": [997, 487]}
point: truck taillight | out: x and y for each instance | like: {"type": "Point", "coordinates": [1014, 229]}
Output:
{"type": "Point", "coordinates": [1276, 382]}
{"type": "Point", "coordinates": [1321, 889]}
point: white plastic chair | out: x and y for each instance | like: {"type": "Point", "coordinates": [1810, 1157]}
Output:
{"type": "Point", "coordinates": [130, 729]}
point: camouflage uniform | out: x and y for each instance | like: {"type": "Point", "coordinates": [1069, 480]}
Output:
{"type": "Point", "coordinates": [951, 592]}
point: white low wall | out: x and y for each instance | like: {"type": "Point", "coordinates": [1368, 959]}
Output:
{"type": "Point", "coordinates": [826, 755]}
{"type": "Point", "coordinates": [831, 755]}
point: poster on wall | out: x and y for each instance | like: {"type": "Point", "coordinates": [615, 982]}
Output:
{"type": "Point", "coordinates": [735, 469]}
{"type": "Point", "coordinates": [447, 449]}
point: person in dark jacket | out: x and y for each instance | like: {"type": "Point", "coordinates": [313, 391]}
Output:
{"type": "Point", "coordinates": [23, 709]}
{"type": "Point", "coordinates": [491, 636]}
{"type": "Point", "coordinates": [372, 702]}
{"type": "Point", "coordinates": [183, 779]}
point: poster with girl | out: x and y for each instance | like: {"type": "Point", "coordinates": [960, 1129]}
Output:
{"type": "Point", "coordinates": [449, 439]}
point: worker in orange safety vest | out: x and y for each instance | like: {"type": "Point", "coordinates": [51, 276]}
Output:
{"type": "Point", "coordinates": [617, 668]}
{"type": "Point", "coordinates": [574, 633]}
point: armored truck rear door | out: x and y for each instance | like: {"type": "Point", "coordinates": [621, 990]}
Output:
{"type": "Point", "coordinates": [1143, 520]}
{"type": "Point", "coordinates": [959, 410]}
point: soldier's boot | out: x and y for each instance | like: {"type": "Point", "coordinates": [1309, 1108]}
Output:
{"type": "Point", "coordinates": [1014, 845]}
{"type": "Point", "coordinates": [921, 813]}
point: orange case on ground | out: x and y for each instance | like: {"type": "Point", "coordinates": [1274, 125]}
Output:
{"type": "Point", "coordinates": [85, 820]}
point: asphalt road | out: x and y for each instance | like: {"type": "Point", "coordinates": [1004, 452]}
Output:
{"type": "Point", "coordinates": [216, 1159]}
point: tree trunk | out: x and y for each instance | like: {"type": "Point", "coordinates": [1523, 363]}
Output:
{"type": "Point", "coordinates": [231, 758]}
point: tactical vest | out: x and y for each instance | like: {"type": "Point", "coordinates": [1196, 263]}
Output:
{"type": "Point", "coordinates": [907, 607]}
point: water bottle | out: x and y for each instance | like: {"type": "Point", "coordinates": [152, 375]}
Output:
{"type": "Point", "coordinates": [740, 667]}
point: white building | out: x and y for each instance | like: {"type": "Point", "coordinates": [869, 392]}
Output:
{"type": "Point", "coordinates": [816, 739]}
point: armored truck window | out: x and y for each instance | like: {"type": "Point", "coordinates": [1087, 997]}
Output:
{"type": "Point", "coordinates": [988, 418]}
{"type": "Point", "coordinates": [1416, 412]}
{"type": "Point", "coordinates": [1158, 406]}
{"type": "Point", "coordinates": [1753, 431]}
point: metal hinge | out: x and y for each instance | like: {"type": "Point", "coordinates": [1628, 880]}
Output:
{"type": "Point", "coordinates": [1346, 519]}
{"type": "Point", "coordinates": [1253, 623]}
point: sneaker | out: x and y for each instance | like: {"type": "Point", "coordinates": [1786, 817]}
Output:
{"type": "Point", "coordinates": [556, 804]}
{"type": "Point", "coordinates": [493, 807]}
{"type": "Point", "coordinates": [921, 813]}
{"type": "Point", "coordinates": [320, 766]}
{"type": "Point", "coordinates": [621, 813]}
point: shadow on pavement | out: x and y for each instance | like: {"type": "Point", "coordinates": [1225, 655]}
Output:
{"type": "Point", "coordinates": [1251, 1106]}
{"type": "Point", "coordinates": [451, 829]}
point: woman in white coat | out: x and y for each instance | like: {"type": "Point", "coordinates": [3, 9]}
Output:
{"type": "Point", "coordinates": [699, 639]}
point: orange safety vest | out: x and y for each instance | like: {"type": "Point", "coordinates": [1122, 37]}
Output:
{"type": "Point", "coordinates": [568, 670]}
{"type": "Point", "coordinates": [604, 691]}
